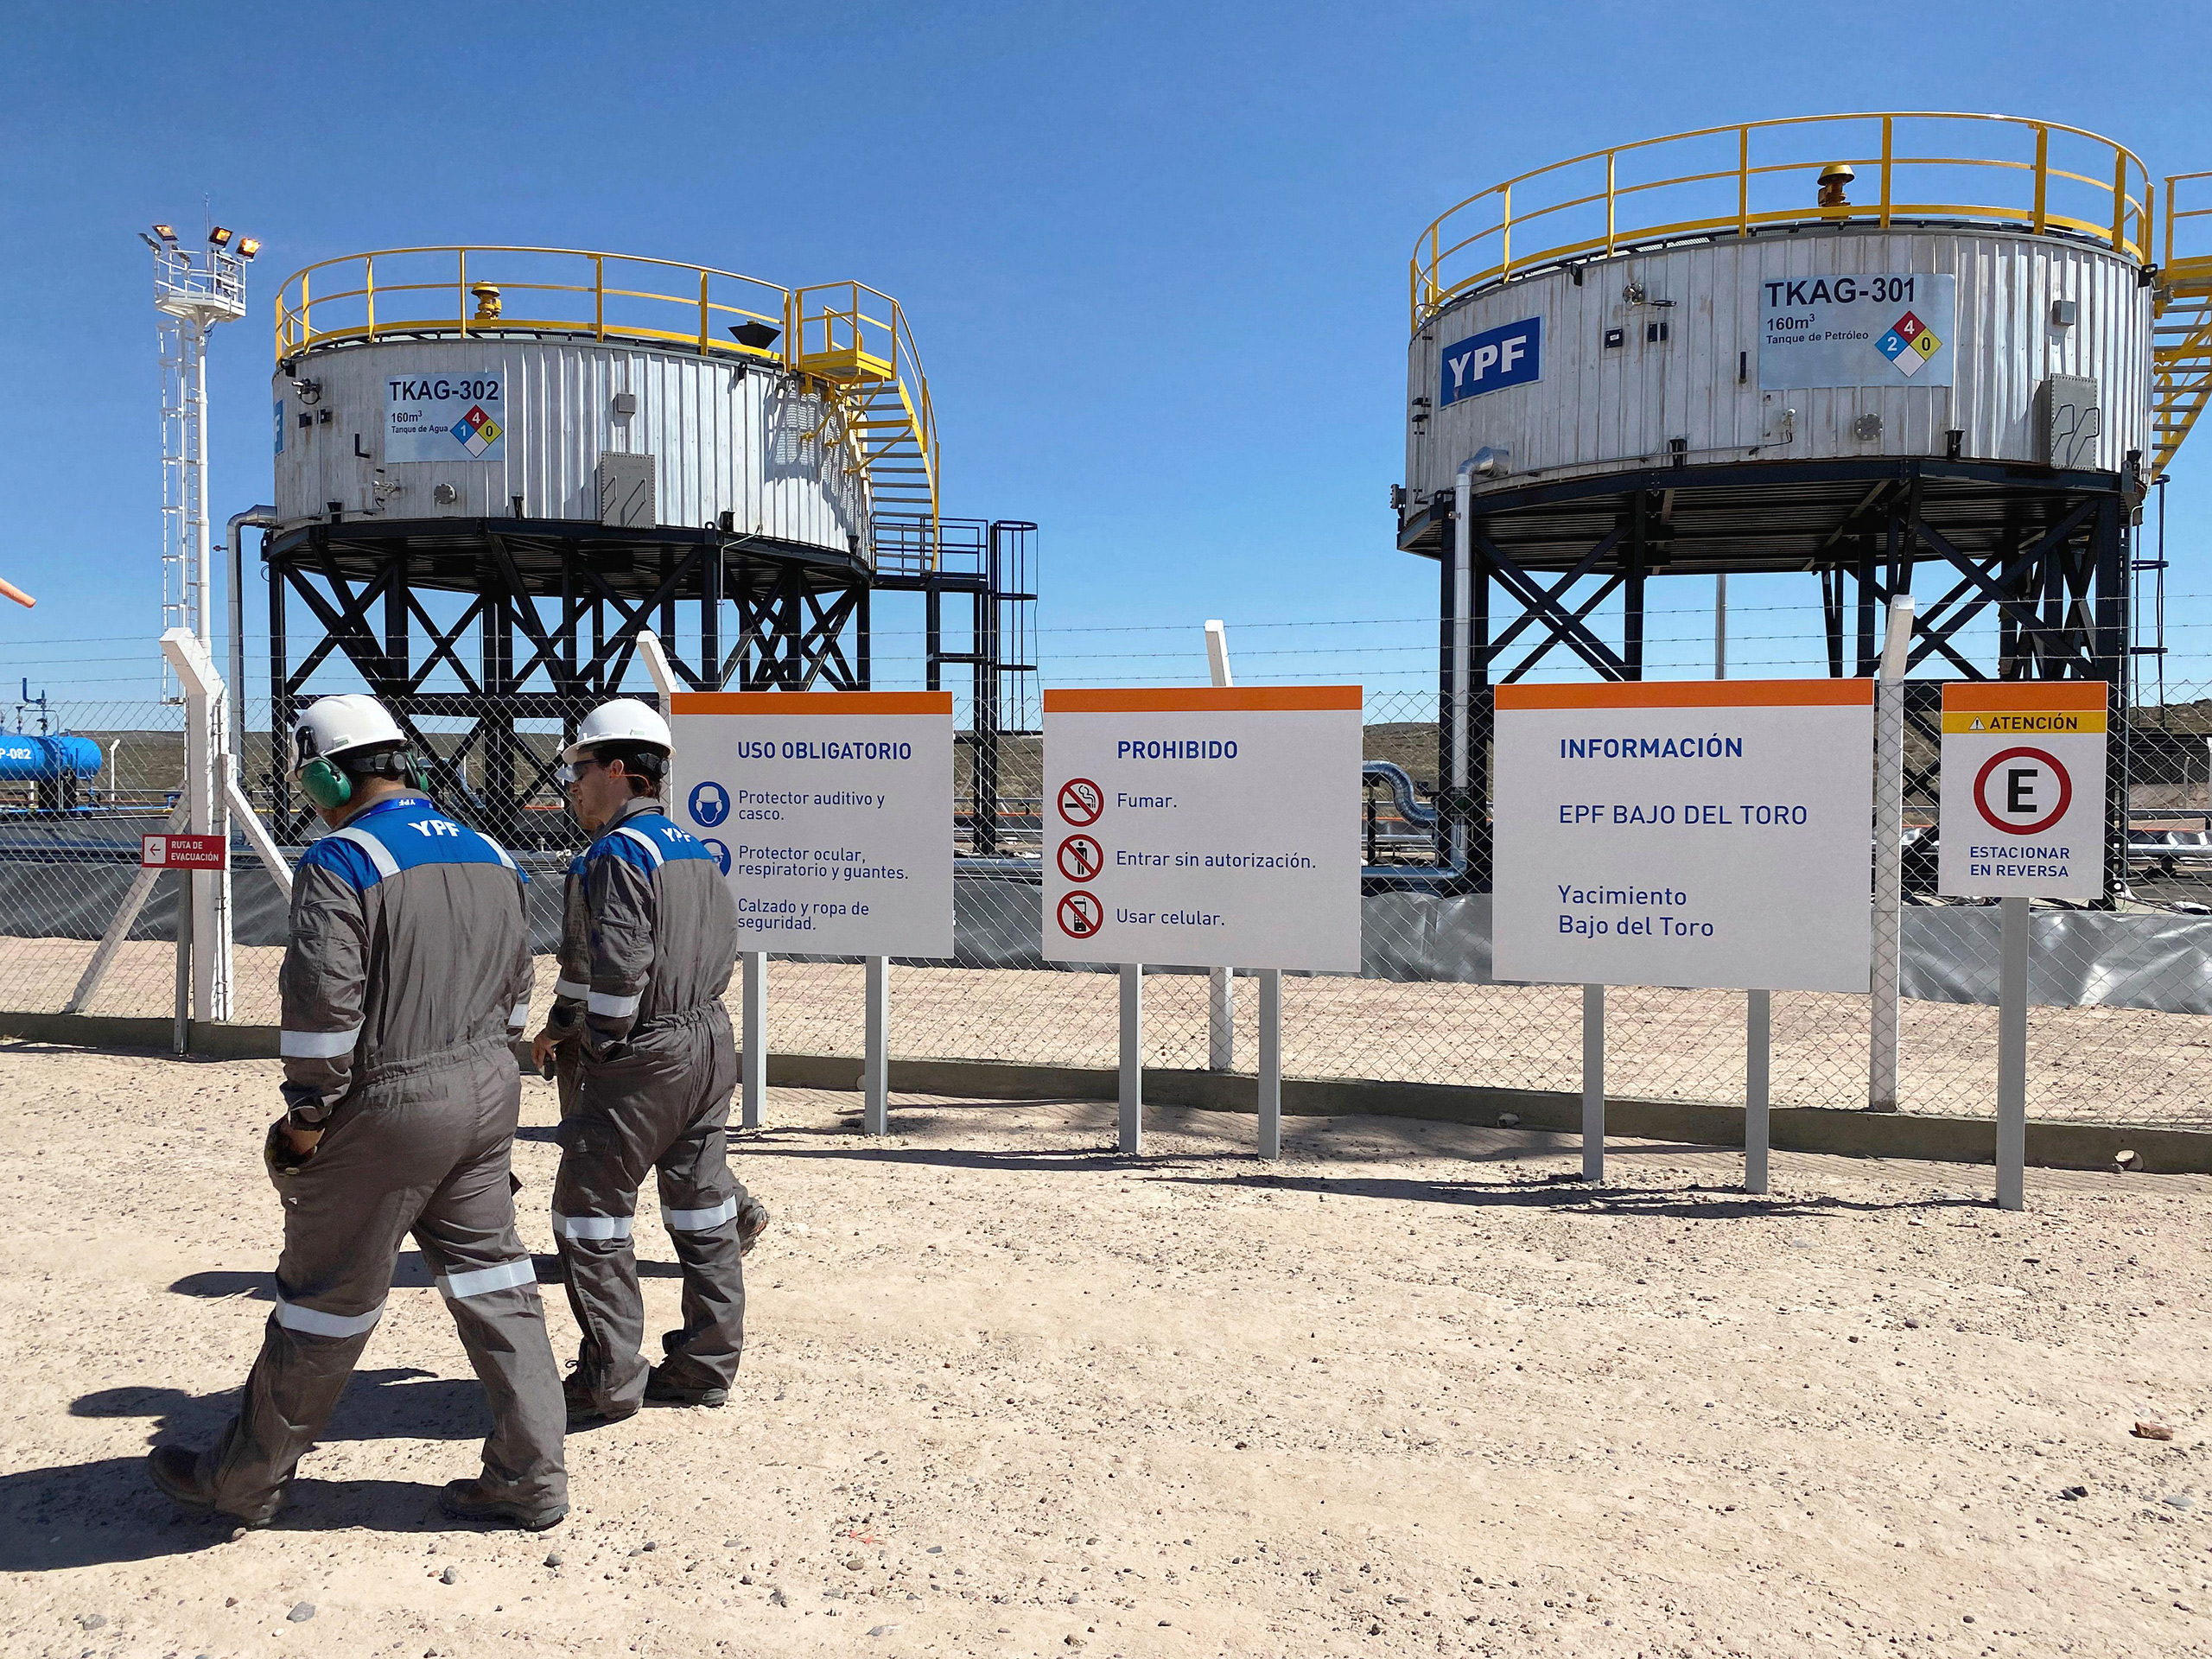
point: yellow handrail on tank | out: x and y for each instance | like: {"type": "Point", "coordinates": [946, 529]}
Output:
{"type": "Point", "coordinates": [1531, 221]}
{"type": "Point", "coordinates": [845, 334]}
{"type": "Point", "coordinates": [2181, 329]}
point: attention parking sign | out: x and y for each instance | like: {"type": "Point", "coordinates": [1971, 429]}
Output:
{"type": "Point", "coordinates": [2024, 790]}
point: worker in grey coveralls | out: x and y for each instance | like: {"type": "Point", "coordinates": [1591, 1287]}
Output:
{"type": "Point", "coordinates": [406, 980]}
{"type": "Point", "coordinates": [647, 1063]}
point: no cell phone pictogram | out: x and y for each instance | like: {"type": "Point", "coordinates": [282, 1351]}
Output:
{"type": "Point", "coordinates": [2023, 791]}
{"type": "Point", "coordinates": [1080, 915]}
{"type": "Point", "coordinates": [1081, 801]}
{"type": "Point", "coordinates": [1081, 858]}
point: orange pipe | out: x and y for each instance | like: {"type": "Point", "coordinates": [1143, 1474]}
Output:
{"type": "Point", "coordinates": [11, 591]}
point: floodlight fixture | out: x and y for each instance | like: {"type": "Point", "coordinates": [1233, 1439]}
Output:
{"type": "Point", "coordinates": [220, 236]}
{"type": "Point", "coordinates": [167, 232]}
{"type": "Point", "coordinates": [248, 246]}
{"type": "Point", "coordinates": [151, 242]}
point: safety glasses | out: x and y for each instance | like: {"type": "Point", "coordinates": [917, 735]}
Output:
{"type": "Point", "coordinates": [570, 772]}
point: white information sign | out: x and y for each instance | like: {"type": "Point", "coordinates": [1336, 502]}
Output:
{"type": "Point", "coordinates": [445, 416]}
{"type": "Point", "coordinates": [1205, 827]}
{"type": "Point", "coordinates": [1713, 833]}
{"type": "Point", "coordinates": [1887, 329]}
{"type": "Point", "coordinates": [2022, 801]}
{"type": "Point", "coordinates": [830, 813]}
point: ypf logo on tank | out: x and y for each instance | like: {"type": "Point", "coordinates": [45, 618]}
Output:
{"type": "Point", "coordinates": [831, 814]}
{"type": "Point", "coordinates": [2023, 800]}
{"type": "Point", "coordinates": [1206, 827]}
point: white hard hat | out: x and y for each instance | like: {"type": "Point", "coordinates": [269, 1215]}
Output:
{"type": "Point", "coordinates": [338, 725]}
{"type": "Point", "coordinates": [623, 721]}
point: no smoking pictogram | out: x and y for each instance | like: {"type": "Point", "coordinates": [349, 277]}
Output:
{"type": "Point", "coordinates": [2022, 792]}
{"type": "Point", "coordinates": [1080, 915]}
{"type": "Point", "coordinates": [1081, 801]}
{"type": "Point", "coordinates": [1081, 858]}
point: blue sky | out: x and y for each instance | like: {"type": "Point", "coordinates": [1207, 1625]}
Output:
{"type": "Point", "coordinates": [1154, 256]}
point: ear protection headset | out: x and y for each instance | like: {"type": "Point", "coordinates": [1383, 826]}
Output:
{"type": "Point", "coordinates": [329, 787]}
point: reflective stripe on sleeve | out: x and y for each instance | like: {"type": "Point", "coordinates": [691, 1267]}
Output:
{"type": "Point", "coordinates": [518, 1016]}
{"type": "Point", "coordinates": [570, 987]}
{"type": "Point", "coordinates": [314, 1322]}
{"type": "Point", "coordinates": [599, 1228]}
{"type": "Point", "coordinates": [502, 852]}
{"type": "Point", "coordinates": [612, 1007]}
{"type": "Point", "coordinates": [644, 840]}
{"type": "Point", "coordinates": [698, 1221]}
{"type": "Point", "coordinates": [380, 855]}
{"type": "Point", "coordinates": [317, 1045]}
{"type": "Point", "coordinates": [482, 1281]}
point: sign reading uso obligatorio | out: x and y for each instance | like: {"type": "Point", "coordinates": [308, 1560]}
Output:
{"type": "Point", "coordinates": [830, 813]}
{"type": "Point", "coordinates": [1709, 833]}
{"type": "Point", "coordinates": [2023, 800]}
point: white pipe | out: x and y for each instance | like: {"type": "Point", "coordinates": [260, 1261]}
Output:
{"type": "Point", "coordinates": [1463, 495]}
{"type": "Point", "coordinates": [1888, 861]}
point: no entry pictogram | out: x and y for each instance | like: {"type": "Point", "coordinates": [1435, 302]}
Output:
{"type": "Point", "coordinates": [2022, 792]}
{"type": "Point", "coordinates": [1081, 858]}
{"type": "Point", "coordinates": [1080, 915]}
{"type": "Point", "coordinates": [1081, 802]}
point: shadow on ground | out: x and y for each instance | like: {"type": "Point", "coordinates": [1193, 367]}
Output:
{"type": "Point", "coordinates": [216, 1284]}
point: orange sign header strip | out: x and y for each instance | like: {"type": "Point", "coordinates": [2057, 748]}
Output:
{"type": "Point", "coordinates": [812, 703]}
{"type": "Point", "coordinates": [1202, 699]}
{"type": "Point", "coordinates": [1693, 694]}
{"type": "Point", "coordinates": [2015, 696]}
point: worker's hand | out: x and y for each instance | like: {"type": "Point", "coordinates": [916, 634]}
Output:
{"type": "Point", "coordinates": [285, 1152]}
{"type": "Point", "coordinates": [542, 1047]}
{"type": "Point", "coordinates": [302, 1142]}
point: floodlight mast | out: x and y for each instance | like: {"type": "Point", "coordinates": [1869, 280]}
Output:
{"type": "Point", "coordinates": [193, 292]}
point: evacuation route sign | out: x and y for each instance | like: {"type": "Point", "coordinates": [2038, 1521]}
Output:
{"type": "Point", "coordinates": [830, 813]}
{"type": "Point", "coordinates": [2023, 804]}
{"type": "Point", "coordinates": [1204, 827]}
{"type": "Point", "coordinates": [1712, 834]}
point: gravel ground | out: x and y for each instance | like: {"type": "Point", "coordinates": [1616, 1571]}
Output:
{"type": "Point", "coordinates": [1407, 1391]}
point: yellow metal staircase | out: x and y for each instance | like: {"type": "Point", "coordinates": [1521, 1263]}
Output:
{"type": "Point", "coordinates": [855, 339]}
{"type": "Point", "coordinates": [2180, 333]}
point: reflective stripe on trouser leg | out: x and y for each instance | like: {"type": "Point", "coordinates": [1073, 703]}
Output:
{"type": "Point", "coordinates": [700, 1221]}
{"type": "Point", "coordinates": [597, 1229]}
{"type": "Point", "coordinates": [314, 1322]}
{"type": "Point", "coordinates": [482, 1281]}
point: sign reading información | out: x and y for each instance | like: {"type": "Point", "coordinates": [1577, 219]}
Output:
{"type": "Point", "coordinates": [1890, 329]}
{"type": "Point", "coordinates": [2023, 800]}
{"type": "Point", "coordinates": [1212, 827]}
{"type": "Point", "coordinates": [445, 416]}
{"type": "Point", "coordinates": [830, 813]}
{"type": "Point", "coordinates": [1712, 834]}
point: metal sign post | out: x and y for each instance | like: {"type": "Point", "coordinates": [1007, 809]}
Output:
{"type": "Point", "coordinates": [1131, 1056]}
{"type": "Point", "coordinates": [1759, 1032]}
{"type": "Point", "coordinates": [875, 1067]}
{"type": "Point", "coordinates": [1593, 1082]}
{"type": "Point", "coordinates": [2023, 808]}
{"type": "Point", "coordinates": [1221, 982]}
{"type": "Point", "coordinates": [1271, 1062]}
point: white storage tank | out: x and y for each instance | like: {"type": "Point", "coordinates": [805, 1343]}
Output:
{"type": "Point", "coordinates": [1876, 326]}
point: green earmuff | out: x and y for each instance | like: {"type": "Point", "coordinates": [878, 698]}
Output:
{"type": "Point", "coordinates": [325, 786]}
{"type": "Point", "coordinates": [329, 788]}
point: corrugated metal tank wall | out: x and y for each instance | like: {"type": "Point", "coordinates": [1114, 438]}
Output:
{"type": "Point", "coordinates": [746, 443]}
{"type": "Point", "coordinates": [1597, 409]}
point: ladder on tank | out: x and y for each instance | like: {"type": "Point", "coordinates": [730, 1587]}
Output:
{"type": "Point", "coordinates": [2181, 332]}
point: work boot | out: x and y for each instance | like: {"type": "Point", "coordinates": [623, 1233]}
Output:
{"type": "Point", "coordinates": [585, 1412]}
{"type": "Point", "coordinates": [752, 1222]}
{"type": "Point", "coordinates": [667, 1386]}
{"type": "Point", "coordinates": [466, 1500]}
{"type": "Point", "coordinates": [175, 1469]}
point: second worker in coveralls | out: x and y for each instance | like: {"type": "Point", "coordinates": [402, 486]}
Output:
{"type": "Point", "coordinates": [648, 1063]}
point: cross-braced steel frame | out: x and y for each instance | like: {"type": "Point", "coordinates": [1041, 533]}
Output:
{"type": "Point", "coordinates": [2045, 553]}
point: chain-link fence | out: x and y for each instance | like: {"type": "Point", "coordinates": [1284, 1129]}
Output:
{"type": "Point", "coordinates": [2122, 987]}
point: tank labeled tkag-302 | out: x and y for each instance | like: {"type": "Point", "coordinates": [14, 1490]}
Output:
{"type": "Point", "coordinates": [495, 468]}
{"type": "Point", "coordinates": [1853, 346]}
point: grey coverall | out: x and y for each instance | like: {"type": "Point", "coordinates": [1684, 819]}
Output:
{"type": "Point", "coordinates": [648, 1065]}
{"type": "Point", "coordinates": [407, 975]}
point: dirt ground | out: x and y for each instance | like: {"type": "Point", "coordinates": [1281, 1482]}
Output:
{"type": "Point", "coordinates": [2095, 1065]}
{"type": "Point", "coordinates": [1409, 1390]}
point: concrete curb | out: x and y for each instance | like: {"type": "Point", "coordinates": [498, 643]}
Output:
{"type": "Point", "coordinates": [1793, 1129]}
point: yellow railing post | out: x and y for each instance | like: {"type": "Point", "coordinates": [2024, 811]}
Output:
{"type": "Point", "coordinates": [1610, 159]}
{"type": "Point", "coordinates": [2169, 259]}
{"type": "Point", "coordinates": [1743, 180]}
{"type": "Point", "coordinates": [2119, 201]}
{"type": "Point", "coordinates": [703, 313]}
{"type": "Point", "coordinates": [2043, 176]}
{"type": "Point", "coordinates": [1888, 152]}
{"type": "Point", "coordinates": [1505, 266]}
{"type": "Point", "coordinates": [460, 286]}
{"type": "Point", "coordinates": [599, 298]}
{"type": "Point", "coordinates": [369, 286]}
{"type": "Point", "coordinates": [307, 321]}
